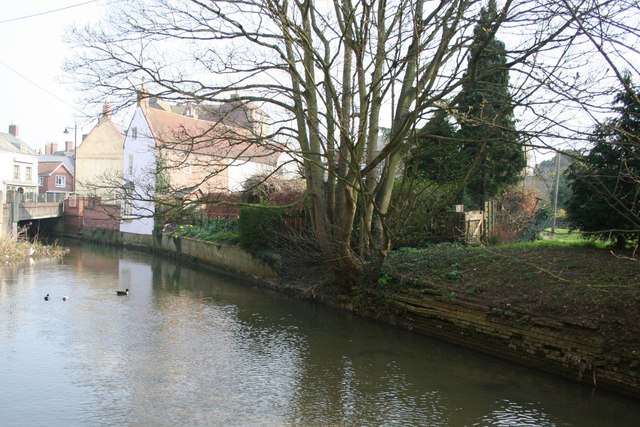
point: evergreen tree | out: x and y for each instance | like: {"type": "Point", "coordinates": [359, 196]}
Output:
{"type": "Point", "coordinates": [487, 132]}
{"type": "Point", "coordinates": [605, 203]}
{"type": "Point", "coordinates": [436, 156]}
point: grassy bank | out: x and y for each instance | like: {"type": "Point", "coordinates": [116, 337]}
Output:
{"type": "Point", "coordinates": [575, 282]}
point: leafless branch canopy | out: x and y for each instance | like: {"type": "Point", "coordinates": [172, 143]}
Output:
{"type": "Point", "coordinates": [331, 75]}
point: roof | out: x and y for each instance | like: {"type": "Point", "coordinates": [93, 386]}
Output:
{"type": "Point", "coordinates": [232, 112]}
{"type": "Point", "coordinates": [57, 159]}
{"type": "Point", "coordinates": [10, 143]}
{"type": "Point", "coordinates": [191, 135]}
{"type": "Point", "coordinates": [47, 168]}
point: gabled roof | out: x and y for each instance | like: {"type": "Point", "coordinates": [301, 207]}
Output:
{"type": "Point", "coordinates": [10, 143]}
{"type": "Point", "coordinates": [49, 168]}
{"type": "Point", "coordinates": [190, 135]}
{"type": "Point", "coordinates": [57, 159]}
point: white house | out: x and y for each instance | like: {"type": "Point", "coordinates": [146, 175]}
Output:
{"type": "Point", "coordinates": [18, 167]}
{"type": "Point", "coordinates": [187, 155]}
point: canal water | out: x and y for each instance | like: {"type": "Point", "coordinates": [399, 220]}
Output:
{"type": "Point", "coordinates": [191, 348]}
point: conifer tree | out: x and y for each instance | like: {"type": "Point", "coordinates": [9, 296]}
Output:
{"type": "Point", "coordinates": [489, 141]}
{"type": "Point", "coordinates": [605, 202]}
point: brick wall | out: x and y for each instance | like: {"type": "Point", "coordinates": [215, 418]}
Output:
{"type": "Point", "coordinates": [82, 213]}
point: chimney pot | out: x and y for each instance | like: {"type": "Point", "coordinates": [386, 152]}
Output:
{"type": "Point", "coordinates": [14, 130]}
{"type": "Point", "coordinates": [50, 148]}
{"type": "Point", "coordinates": [106, 111]}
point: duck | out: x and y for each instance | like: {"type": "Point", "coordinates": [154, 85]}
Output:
{"type": "Point", "coordinates": [47, 297]}
{"type": "Point", "coordinates": [65, 298]}
{"type": "Point", "coordinates": [123, 293]}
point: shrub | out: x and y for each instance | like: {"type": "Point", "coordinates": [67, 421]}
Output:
{"type": "Point", "coordinates": [257, 225]}
{"type": "Point", "coordinates": [414, 206]}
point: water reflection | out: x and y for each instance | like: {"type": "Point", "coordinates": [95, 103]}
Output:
{"type": "Point", "coordinates": [187, 347]}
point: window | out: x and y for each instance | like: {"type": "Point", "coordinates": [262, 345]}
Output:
{"type": "Point", "coordinates": [131, 165]}
{"type": "Point", "coordinates": [127, 208]}
{"type": "Point", "coordinates": [40, 181]}
{"type": "Point", "coordinates": [61, 181]}
{"type": "Point", "coordinates": [28, 177]}
{"type": "Point", "coordinates": [128, 188]}
{"type": "Point", "coordinates": [134, 133]}
{"type": "Point", "coordinates": [16, 171]}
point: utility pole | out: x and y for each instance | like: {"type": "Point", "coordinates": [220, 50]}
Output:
{"type": "Point", "coordinates": [555, 196]}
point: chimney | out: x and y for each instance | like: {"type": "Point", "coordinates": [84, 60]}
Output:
{"type": "Point", "coordinates": [50, 148]}
{"type": "Point", "coordinates": [68, 146]}
{"type": "Point", "coordinates": [143, 97]}
{"type": "Point", "coordinates": [13, 130]}
{"type": "Point", "coordinates": [190, 111]}
{"type": "Point", "coordinates": [106, 113]}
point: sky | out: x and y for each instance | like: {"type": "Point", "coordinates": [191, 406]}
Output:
{"type": "Point", "coordinates": [32, 52]}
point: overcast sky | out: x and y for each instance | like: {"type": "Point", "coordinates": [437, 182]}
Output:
{"type": "Point", "coordinates": [31, 56]}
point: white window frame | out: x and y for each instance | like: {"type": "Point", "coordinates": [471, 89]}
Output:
{"type": "Point", "coordinates": [29, 173]}
{"type": "Point", "coordinates": [61, 181]}
{"type": "Point", "coordinates": [40, 181]}
{"type": "Point", "coordinates": [16, 171]}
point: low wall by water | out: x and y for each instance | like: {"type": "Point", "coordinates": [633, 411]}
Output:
{"type": "Point", "coordinates": [222, 256]}
{"type": "Point", "coordinates": [572, 351]}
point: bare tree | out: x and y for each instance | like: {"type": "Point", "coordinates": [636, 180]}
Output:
{"type": "Point", "coordinates": [330, 74]}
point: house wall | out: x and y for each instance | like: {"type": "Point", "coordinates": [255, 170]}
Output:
{"type": "Point", "coordinates": [49, 182]}
{"type": "Point", "coordinates": [192, 172]}
{"type": "Point", "coordinates": [8, 160]}
{"type": "Point", "coordinates": [139, 167]}
{"type": "Point", "coordinates": [240, 171]}
{"type": "Point", "coordinates": [100, 155]}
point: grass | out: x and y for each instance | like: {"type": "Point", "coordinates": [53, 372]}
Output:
{"type": "Point", "coordinates": [562, 237]}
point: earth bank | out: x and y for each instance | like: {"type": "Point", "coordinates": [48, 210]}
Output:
{"type": "Point", "coordinates": [572, 311]}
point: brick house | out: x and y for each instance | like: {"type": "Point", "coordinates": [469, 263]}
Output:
{"type": "Point", "coordinates": [55, 177]}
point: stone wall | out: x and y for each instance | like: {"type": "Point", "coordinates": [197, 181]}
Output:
{"type": "Point", "coordinates": [220, 256]}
